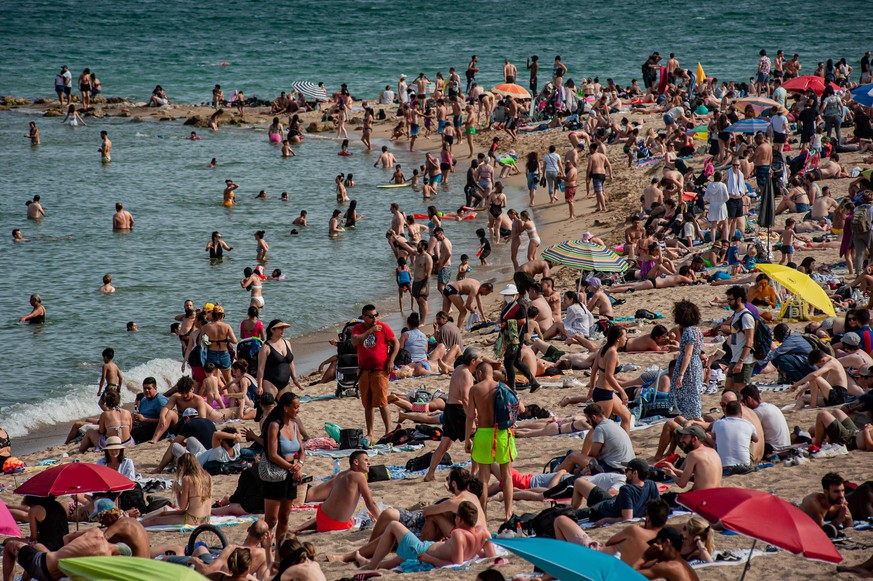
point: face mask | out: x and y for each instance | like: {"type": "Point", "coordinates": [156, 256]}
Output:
{"type": "Point", "coordinates": [508, 298]}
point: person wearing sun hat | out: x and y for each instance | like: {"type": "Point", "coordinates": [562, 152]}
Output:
{"type": "Point", "coordinates": [113, 457]}
{"type": "Point", "coordinates": [513, 328]}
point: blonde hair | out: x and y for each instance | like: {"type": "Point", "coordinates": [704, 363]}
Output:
{"type": "Point", "coordinates": [188, 465]}
{"type": "Point", "coordinates": [698, 528]}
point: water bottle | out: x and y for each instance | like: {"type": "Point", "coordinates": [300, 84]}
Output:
{"type": "Point", "coordinates": [336, 466]}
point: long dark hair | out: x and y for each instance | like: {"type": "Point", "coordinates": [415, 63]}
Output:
{"type": "Point", "coordinates": [278, 413]}
{"type": "Point", "coordinates": [120, 456]}
{"type": "Point", "coordinates": [612, 337]}
{"type": "Point", "coordinates": [572, 297]}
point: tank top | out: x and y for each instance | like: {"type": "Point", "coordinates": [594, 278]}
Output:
{"type": "Point", "coordinates": [416, 344]}
{"type": "Point", "coordinates": [289, 447]}
{"type": "Point", "coordinates": [51, 531]}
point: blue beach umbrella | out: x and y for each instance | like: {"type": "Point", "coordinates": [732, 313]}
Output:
{"type": "Point", "coordinates": [863, 95]}
{"type": "Point", "coordinates": [750, 125]}
{"type": "Point", "coordinates": [569, 562]}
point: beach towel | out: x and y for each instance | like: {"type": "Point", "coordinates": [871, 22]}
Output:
{"type": "Point", "coordinates": [309, 398]}
{"type": "Point", "coordinates": [373, 451]}
{"type": "Point", "coordinates": [216, 521]}
{"type": "Point", "coordinates": [734, 557]}
{"type": "Point", "coordinates": [415, 566]}
{"type": "Point", "coordinates": [589, 524]}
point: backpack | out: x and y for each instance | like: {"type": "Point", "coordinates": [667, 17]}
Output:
{"type": "Point", "coordinates": [423, 462]}
{"type": "Point", "coordinates": [817, 343]}
{"type": "Point", "coordinates": [427, 432]}
{"type": "Point", "coordinates": [861, 219]}
{"type": "Point", "coordinates": [763, 338]}
{"type": "Point", "coordinates": [553, 464]}
{"type": "Point", "coordinates": [133, 498]}
{"type": "Point", "coordinates": [543, 524]}
{"type": "Point", "coordinates": [397, 437]}
{"type": "Point", "coordinates": [505, 407]}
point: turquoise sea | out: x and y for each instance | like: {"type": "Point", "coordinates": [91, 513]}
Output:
{"type": "Point", "coordinates": [52, 370]}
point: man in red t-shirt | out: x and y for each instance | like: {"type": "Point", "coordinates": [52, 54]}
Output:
{"type": "Point", "coordinates": [377, 346]}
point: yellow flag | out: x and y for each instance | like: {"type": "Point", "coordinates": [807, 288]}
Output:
{"type": "Point", "coordinates": [700, 75]}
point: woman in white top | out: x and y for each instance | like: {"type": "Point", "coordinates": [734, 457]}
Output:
{"type": "Point", "coordinates": [73, 118]}
{"type": "Point", "coordinates": [113, 457]}
{"type": "Point", "coordinates": [578, 320]}
{"type": "Point", "coordinates": [717, 196]}
{"type": "Point", "coordinates": [531, 231]}
{"type": "Point", "coordinates": [415, 342]}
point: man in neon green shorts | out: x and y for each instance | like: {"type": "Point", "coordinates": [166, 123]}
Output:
{"type": "Point", "coordinates": [489, 445]}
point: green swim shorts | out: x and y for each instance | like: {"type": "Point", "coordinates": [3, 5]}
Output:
{"type": "Point", "coordinates": [553, 354]}
{"type": "Point", "coordinates": [488, 449]}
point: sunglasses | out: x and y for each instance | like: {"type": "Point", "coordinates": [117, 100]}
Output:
{"type": "Point", "coordinates": [371, 316]}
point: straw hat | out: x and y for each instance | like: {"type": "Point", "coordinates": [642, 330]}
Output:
{"type": "Point", "coordinates": [113, 443]}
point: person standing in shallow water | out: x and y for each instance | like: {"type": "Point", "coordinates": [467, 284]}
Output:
{"type": "Point", "coordinates": [263, 247]}
{"type": "Point", "coordinates": [37, 315]}
{"type": "Point", "coordinates": [105, 148]}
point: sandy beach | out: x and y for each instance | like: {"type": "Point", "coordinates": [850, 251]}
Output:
{"type": "Point", "coordinates": [790, 483]}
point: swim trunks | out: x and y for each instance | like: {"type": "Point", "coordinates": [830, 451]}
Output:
{"type": "Point", "coordinates": [843, 432]}
{"type": "Point", "coordinates": [454, 422]}
{"type": "Point", "coordinates": [449, 291]}
{"type": "Point", "coordinates": [410, 547]}
{"type": "Point", "coordinates": [597, 179]}
{"type": "Point", "coordinates": [34, 563]}
{"type": "Point", "coordinates": [420, 289]}
{"type": "Point", "coordinates": [445, 275]}
{"type": "Point", "coordinates": [762, 174]}
{"type": "Point", "coordinates": [786, 249]}
{"type": "Point", "coordinates": [553, 354]}
{"type": "Point", "coordinates": [440, 126]}
{"type": "Point", "coordinates": [325, 523]}
{"type": "Point", "coordinates": [412, 520]}
{"type": "Point", "coordinates": [413, 130]}
{"type": "Point", "coordinates": [569, 193]}
{"type": "Point", "coordinates": [505, 233]}
{"type": "Point", "coordinates": [493, 445]}
{"type": "Point", "coordinates": [837, 395]}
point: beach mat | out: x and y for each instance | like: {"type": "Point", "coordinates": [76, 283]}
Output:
{"type": "Point", "coordinates": [216, 521]}
{"type": "Point", "coordinates": [734, 557]}
{"type": "Point", "coordinates": [588, 524]}
{"type": "Point", "coordinates": [374, 451]}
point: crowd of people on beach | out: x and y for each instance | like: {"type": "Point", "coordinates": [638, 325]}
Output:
{"type": "Point", "coordinates": [699, 221]}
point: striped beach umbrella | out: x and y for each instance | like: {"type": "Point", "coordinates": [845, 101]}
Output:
{"type": "Point", "coordinates": [310, 91]}
{"type": "Point", "coordinates": [750, 125]}
{"type": "Point", "coordinates": [511, 90]}
{"type": "Point", "coordinates": [585, 256]}
{"type": "Point", "coordinates": [863, 95]}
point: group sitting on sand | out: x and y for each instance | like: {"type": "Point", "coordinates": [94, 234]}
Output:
{"type": "Point", "coordinates": [235, 410]}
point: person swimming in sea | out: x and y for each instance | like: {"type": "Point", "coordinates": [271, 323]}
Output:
{"type": "Point", "coordinates": [37, 314]}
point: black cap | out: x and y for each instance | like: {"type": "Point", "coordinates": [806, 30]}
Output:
{"type": "Point", "coordinates": [669, 534]}
{"type": "Point", "coordinates": [640, 466]}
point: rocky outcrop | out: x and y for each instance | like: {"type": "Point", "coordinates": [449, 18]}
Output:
{"type": "Point", "coordinates": [53, 113]}
{"type": "Point", "coordinates": [11, 101]}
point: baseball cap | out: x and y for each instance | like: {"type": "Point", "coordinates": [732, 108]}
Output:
{"type": "Point", "coordinates": [851, 339]}
{"type": "Point", "coordinates": [208, 307]}
{"type": "Point", "coordinates": [639, 465]}
{"type": "Point", "coordinates": [189, 412]}
{"type": "Point", "coordinates": [866, 371]}
{"type": "Point", "coordinates": [102, 504]}
{"type": "Point", "coordinates": [693, 430]}
{"type": "Point", "coordinates": [509, 289]}
{"type": "Point", "coordinates": [671, 534]}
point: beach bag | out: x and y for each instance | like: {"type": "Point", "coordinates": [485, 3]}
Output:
{"type": "Point", "coordinates": [134, 498]}
{"type": "Point", "coordinates": [332, 430]}
{"type": "Point", "coordinates": [423, 462]}
{"type": "Point", "coordinates": [378, 473]}
{"type": "Point", "coordinates": [505, 407]}
{"type": "Point", "coordinates": [543, 524]}
{"type": "Point", "coordinates": [427, 432]}
{"type": "Point", "coordinates": [351, 439]}
{"type": "Point", "coordinates": [421, 396]}
{"type": "Point", "coordinates": [216, 468]}
{"type": "Point", "coordinates": [861, 219]}
{"type": "Point", "coordinates": [397, 437]}
{"type": "Point", "coordinates": [269, 472]}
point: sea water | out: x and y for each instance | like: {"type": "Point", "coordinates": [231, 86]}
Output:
{"type": "Point", "coordinates": [51, 370]}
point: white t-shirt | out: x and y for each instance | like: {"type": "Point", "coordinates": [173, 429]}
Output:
{"type": "Point", "coordinates": [386, 98]}
{"type": "Point", "coordinates": [779, 123]}
{"type": "Point", "coordinates": [617, 446]}
{"type": "Point", "coordinates": [607, 480]}
{"type": "Point", "coordinates": [68, 79]}
{"type": "Point", "coordinates": [776, 431]}
{"type": "Point", "coordinates": [218, 454]}
{"type": "Point", "coordinates": [552, 162]}
{"type": "Point", "coordinates": [742, 320]}
{"type": "Point", "coordinates": [688, 231]}
{"type": "Point", "coordinates": [733, 440]}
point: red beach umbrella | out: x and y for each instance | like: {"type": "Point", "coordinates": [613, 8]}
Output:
{"type": "Point", "coordinates": [805, 82]}
{"type": "Point", "coordinates": [75, 478]}
{"type": "Point", "coordinates": [764, 517]}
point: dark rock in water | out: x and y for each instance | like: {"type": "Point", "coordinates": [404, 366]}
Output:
{"type": "Point", "coordinates": [99, 99]}
{"type": "Point", "coordinates": [114, 100]}
{"type": "Point", "coordinates": [196, 121]}
{"type": "Point", "coordinates": [53, 113]}
{"type": "Point", "coordinates": [316, 127]}
{"type": "Point", "coordinates": [43, 101]}
{"type": "Point", "coordinates": [11, 101]}
{"type": "Point", "coordinates": [293, 232]}
{"type": "Point", "coordinates": [95, 112]}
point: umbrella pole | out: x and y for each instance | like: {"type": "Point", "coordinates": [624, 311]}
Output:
{"type": "Point", "coordinates": [749, 560]}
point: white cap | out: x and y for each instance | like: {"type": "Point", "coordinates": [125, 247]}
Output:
{"type": "Point", "coordinates": [402, 76]}
{"type": "Point", "coordinates": [509, 289]}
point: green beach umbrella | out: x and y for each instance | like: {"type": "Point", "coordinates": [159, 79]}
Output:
{"type": "Point", "coordinates": [585, 256]}
{"type": "Point", "coordinates": [126, 569]}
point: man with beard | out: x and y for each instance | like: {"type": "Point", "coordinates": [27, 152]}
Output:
{"type": "Point", "coordinates": [663, 559]}
{"type": "Point", "coordinates": [702, 463]}
{"type": "Point", "coordinates": [829, 506]}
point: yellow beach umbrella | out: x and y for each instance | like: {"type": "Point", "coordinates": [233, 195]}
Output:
{"type": "Point", "coordinates": [801, 285]}
{"type": "Point", "coordinates": [700, 75]}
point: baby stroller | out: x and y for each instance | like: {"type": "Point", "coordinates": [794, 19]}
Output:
{"type": "Point", "coordinates": [347, 372]}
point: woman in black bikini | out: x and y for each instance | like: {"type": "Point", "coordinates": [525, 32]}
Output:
{"type": "Point", "coordinates": [217, 246]}
{"type": "Point", "coordinates": [604, 387]}
{"type": "Point", "coordinates": [276, 361]}
{"type": "Point", "coordinates": [37, 315]}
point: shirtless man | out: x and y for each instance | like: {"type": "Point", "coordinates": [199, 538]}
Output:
{"type": "Point", "coordinates": [599, 301]}
{"type": "Point", "coordinates": [571, 177]}
{"type": "Point", "coordinates": [830, 167]}
{"type": "Point", "coordinates": [762, 158]}
{"type": "Point", "coordinates": [467, 540]}
{"type": "Point", "coordinates": [350, 486]}
{"type": "Point", "coordinates": [671, 66]}
{"type": "Point", "coordinates": [43, 566]}
{"type": "Point", "coordinates": [511, 118]}
{"type": "Point", "coordinates": [544, 317]}
{"type": "Point", "coordinates": [510, 72]}
{"type": "Point", "coordinates": [455, 416]}
{"type": "Point", "coordinates": [422, 267]}
{"type": "Point", "coordinates": [827, 384]}
{"type": "Point", "coordinates": [454, 292]}
{"type": "Point", "coordinates": [35, 210]}
{"type": "Point", "coordinates": [444, 263]}
{"type": "Point", "coordinates": [652, 195]}
{"type": "Point", "coordinates": [257, 542]}
{"type": "Point", "coordinates": [599, 170]}
{"type": "Point", "coordinates": [398, 219]}
{"type": "Point", "coordinates": [122, 220]}
{"type": "Point", "coordinates": [663, 559]}
{"type": "Point", "coordinates": [183, 399]}
{"type": "Point", "coordinates": [552, 296]}
{"type": "Point", "coordinates": [105, 148]}
{"type": "Point", "coordinates": [386, 160]}
{"type": "Point", "coordinates": [122, 529]}
{"type": "Point", "coordinates": [829, 506]}
{"type": "Point", "coordinates": [535, 267]}
{"type": "Point", "coordinates": [702, 463]}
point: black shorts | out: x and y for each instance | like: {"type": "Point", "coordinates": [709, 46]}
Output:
{"type": "Point", "coordinates": [34, 563]}
{"type": "Point", "coordinates": [403, 285]}
{"type": "Point", "coordinates": [735, 208]}
{"type": "Point", "coordinates": [419, 289]}
{"type": "Point", "coordinates": [449, 290]}
{"type": "Point", "coordinates": [454, 422]}
{"type": "Point", "coordinates": [779, 137]}
{"type": "Point", "coordinates": [837, 395]}
{"type": "Point", "coordinates": [445, 166]}
{"type": "Point", "coordinates": [282, 490]}
{"type": "Point", "coordinates": [450, 139]}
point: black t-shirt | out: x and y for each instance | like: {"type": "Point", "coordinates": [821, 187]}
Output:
{"type": "Point", "coordinates": [807, 118]}
{"type": "Point", "coordinates": [865, 64]}
{"type": "Point", "coordinates": [249, 491]}
{"type": "Point", "coordinates": [199, 428]}
{"type": "Point", "coordinates": [629, 496]}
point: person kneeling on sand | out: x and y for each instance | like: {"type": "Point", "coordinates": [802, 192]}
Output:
{"type": "Point", "coordinates": [350, 486]}
{"type": "Point", "coordinates": [467, 540]}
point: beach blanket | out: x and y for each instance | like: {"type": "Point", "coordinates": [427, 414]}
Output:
{"type": "Point", "coordinates": [309, 398]}
{"type": "Point", "coordinates": [401, 473]}
{"type": "Point", "coordinates": [734, 557]}
{"type": "Point", "coordinates": [216, 521]}
{"type": "Point", "coordinates": [374, 451]}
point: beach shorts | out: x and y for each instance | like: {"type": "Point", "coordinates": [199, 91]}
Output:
{"type": "Point", "coordinates": [326, 524]}
{"type": "Point", "coordinates": [837, 395]}
{"type": "Point", "coordinates": [779, 137]}
{"type": "Point", "coordinates": [412, 520]}
{"type": "Point", "coordinates": [744, 376]}
{"type": "Point", "coordinates": [455, 422]}
{"type": "Point", "coordinates": [445, 167]}
{"type": "Point", "coordinates": [505, 233]}
{"type": "Point", "coordinates": [282, 490]}
{"type": "Point", "coordinates": [552, 354]}
{"type": "Point", "coordinates": [569, 193]}
{"type": "Point", "coordinates": [598, 179]}
{"type": "Point", "coordinates": [762, 174]}
{"type": "Point", "coordinates": [373, 385]}
{"type": "Point", "coordinates": [420, 289]}
{"type": "Point", "coordinates": [60, 89]}
{"type": "Point", "coordinates": [668, 120]}
{"type": "Point", "coordinates": [450, 139]}
{"type": "Point", "coordinates": [413, 130]}
{"type": "Point", "coordinates": [34, 563]}
{"type": "Point", "coordinates": [456, 120]}
{"type": "Point", "coordinates": [512, 123]}
{"type": "Point", "coordinates": [221, 359]}
{"type": "Point", "coordinates": [410, 547]}
{"type": "Point", "coordinates": [445, 275]}
{"type": "Point", "coordinates": [786, 249]}
{"type": "Point", "coordinates": [802, 207]}
{"type": "Point", "coordinates": [842, 432]}
{"type": "Point", "coordinates": [438, 178]}
{"type": "Point", "coordinates": [440, 126]}
{"type": "Point", "coordinates": [735, 207]}
{"type": "Point", "coordinates": [403, 285]}
{"type": "Point", "coordinates": [600, 394]}
{"type": "Point", "coordinates": [493, 445]}
{"type": "Point", "coordinates": [449, 291]}
{"type": "Point", "coordinates": [533, 180]}
{"type": "Point", "coordinates": [763, 78]}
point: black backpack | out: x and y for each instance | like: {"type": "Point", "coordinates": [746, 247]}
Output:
{"type": "Point", "coordinates": [543, 524]}
{"type": "Point", "coordinates": [425, 432]}
{"type": "Point", "coordinates": [423, 462]}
